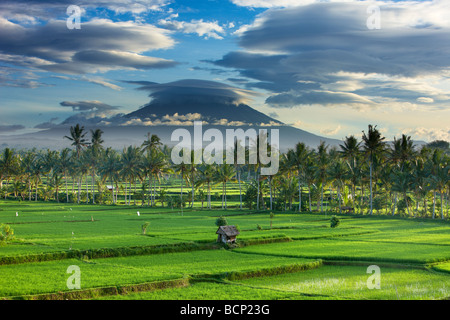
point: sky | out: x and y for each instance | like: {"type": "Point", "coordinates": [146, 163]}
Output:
{"type": "Point", "coordinates": [327, 67]}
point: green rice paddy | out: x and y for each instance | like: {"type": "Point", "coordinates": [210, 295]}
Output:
{"type": "Point", "coordinates": [296, 256]}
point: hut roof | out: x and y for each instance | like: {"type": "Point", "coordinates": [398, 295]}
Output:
{"type": "Point", "coordinates": [229, 231]}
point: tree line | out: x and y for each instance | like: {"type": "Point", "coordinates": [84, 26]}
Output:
{"type": "Point", "coordinates": [362, 176]}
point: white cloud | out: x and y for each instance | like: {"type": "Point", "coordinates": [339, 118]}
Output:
{"type": "Point", "coordinates": [324, 54]}
{"type": "Point", "coordinates": [425, 99]}
{"type": "Point", "coordinates": [176, 117]}
{"type": "Point", "coordinates": [429, 134]}
{"type": "Point", "coordinates": [102, 82]}
{"type": "Point", "coordinates": [272, 3]}
{"type": "Point", "coordinates": [199, 27]}
{"type": "Point", "coordinates": [330, 131]}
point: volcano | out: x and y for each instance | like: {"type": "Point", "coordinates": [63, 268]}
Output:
{"type": "Point", "coordinates": [173, 105]}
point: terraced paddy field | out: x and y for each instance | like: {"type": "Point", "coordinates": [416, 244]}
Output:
{"type": "Point", "coordinates": [294, 256]}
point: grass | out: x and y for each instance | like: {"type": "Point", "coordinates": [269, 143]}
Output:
{"type": "Point", "coordinates": [51, 276]}
{"type": "Point", "coordinates": [355, 250]}
{"type": "Point", "coordinates": [208, 291]}
{"type": "Point", "coordinates": [271, 257]}
{"type": "Point", "coordinates": [350, 282]}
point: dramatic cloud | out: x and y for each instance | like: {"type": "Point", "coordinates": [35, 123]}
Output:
{"type": "Point", "coordinates": [32, 10]}
{"type": "Point", "coordinates": [324, 98]}
{"type": "Point", "coordinates": [200, 91]}
{"type": "Point", "coordinates": [120, 59]}
{"type": "Point", "coordinates": [100, 45]}
{"type": "Point", "coordinates": [324, 53]}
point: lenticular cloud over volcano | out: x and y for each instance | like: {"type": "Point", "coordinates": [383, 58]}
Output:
{"type": "Point", "coordinates": [214, 101]}
{"type": "Point", "coordinates": [196, 90]}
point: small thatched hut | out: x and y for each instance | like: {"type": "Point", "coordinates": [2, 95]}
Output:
{"type": "Point", "coordinates": [227, 234]}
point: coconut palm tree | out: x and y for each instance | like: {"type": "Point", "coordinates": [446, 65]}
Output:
{"type": "Point", "coordinates": [238, 168]}
{"type": "Point", "coordinates": [298, 159]}
{"type": "Point", "coordinates": [373, 144]}
{"type": "Point", "coordinates": [154, 165]}
{"type": "Point", "coordinates": [433, 165]}
{"type": "Point", "coordinates": [36, 174]}
{"type": "Point", "coordinates": [224, 174]}
{"type": "Point", "coordinates": [206, 177]}
{"type": "Point", "coordinates": [322, 163]}
{"type": "Point", "coordinates": [337, 172]}
{"type": "Point", "coordinates": [95, 150]}
{"type": "Point", "coordinates": [27, 165]}
{"type": "Point", "coordinates": [109, 169]}
{"type": "Point", "coordinates": [403, 150]}
{"type": "Point", "coordinates": [440, 179]}
{"type": "Point", "coordinates": [402, 182]}
{"type": "Point", "coordinates": [9, 164]}
{"type": "Point", "coordinates": [154, 156]}
{"type": "Point", "coordinates": [350, 150]}
{"type": "Point", "coordinates": [182, 169]}
{"type": "Point", "coordinates": [49, 160]}
{"type": "Point", "coordinates": [77, 136]}
{"type": "Point", "coordinates": [152, 143]}
{"type": "Point", "coordinates": [131, 167]}
{"type": "Point", "coordinates": [65, 162]}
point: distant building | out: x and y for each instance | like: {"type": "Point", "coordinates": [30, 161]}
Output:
{"type": "Point", "coordinates": [227, 234]}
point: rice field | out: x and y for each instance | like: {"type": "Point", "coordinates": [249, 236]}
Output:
{"type": "Point", "coordinates": [292, 256]}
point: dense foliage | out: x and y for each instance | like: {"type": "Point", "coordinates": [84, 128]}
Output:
{"type": "Point", "coordinates": [366, 177]}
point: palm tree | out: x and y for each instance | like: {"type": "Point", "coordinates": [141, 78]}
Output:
{"type": "Point", "coordinates": [402, 151]}
{"type": "Point", "coordinates": [440, 179]}
{"type": "Point", "coordinates": [94, 154]}
{"type": "Point", "coordinates": [224, 174]}
{"type": "Point", "coordinates": [182, 169]}
{"type": "Point", "coordinates": [56, 183]}
{"type": "Point", "coordinates": [65, 162]}
{"type": "Point", "coordinates": [151, 147]}
{"type": "Point", "coordinates": [36, 172]}
{"type": "Point", "coordinates": [207, 175]}
{"type": "Point", "coordinates": [151, 144]}
{"type": "Point", "coordinates": [373, 144]}
{"type": "Point", "coordinates": [8, 165]}
{"type": "Point", "coordinates": [322, 162]}
{"type": "Point", "coordinates": [296, 160]}
{"type": "Point", "coordinates": [131, 167]}
{"type": "Point", "coordinates": [402, 182]}
{"type": "Point", "coordinates": [237, 167]}
{"type": "Point", "coordinates": [192, 169]}
{"type": "Point", "coordinates": [83, 171]}
{"type": "Point", "coordinates": [154, 164]}
{"type": "Point", "coordinates": [350, 151]}
{"type": "Point", "coordinates": [110, 169]}
{"type": "Point", "coordinates": [49, 161]}
{"type": "Point", "coordinates": [27, 164]}
{"type": "Point", "coordinates": [77, 136]}
{"type": "Point", "coordinates": [309, 171]}
{"type": "Point", "coordinates": [337, 173]}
